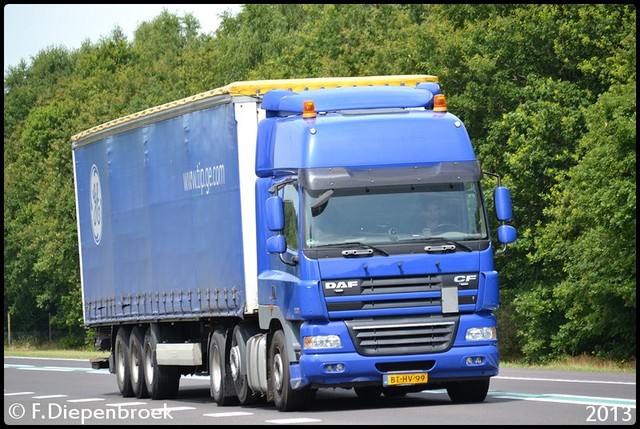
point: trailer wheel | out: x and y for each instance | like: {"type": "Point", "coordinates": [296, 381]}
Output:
{"type": "Point", "coordinates": [136, 362]}
{"type": "Point", "coordinates": [122, 362]}
{"type": "Point", "coordinates": [466, 392]}
{"type": "Point", "coordinates": [220, 381]}
{"type": "Point", "coordinates": [162, 381]}
{"type": "Point", "coordinates": [238, 365]}
{"type": "Point", "coordinates": [284, 397]}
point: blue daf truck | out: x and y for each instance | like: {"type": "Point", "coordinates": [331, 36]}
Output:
{"type": "Point", "coordinates": [285, 236]}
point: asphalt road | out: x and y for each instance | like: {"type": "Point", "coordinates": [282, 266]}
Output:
{"type": "Point", "coordinates": [57, 391]}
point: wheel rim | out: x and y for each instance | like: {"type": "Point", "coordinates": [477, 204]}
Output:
{"type": "Point", "coordinates": [216, 374]}
{"type": "Point", "coordinates": [120, 365]}
{"type": "Point", "coordinates": [148, 365]}
{"type": "Point", "coordinates": [278, 369]}
{"type": "Point", "coordinates": [234, 362]}
{"type": "Point", "coordinates": [134, 368]}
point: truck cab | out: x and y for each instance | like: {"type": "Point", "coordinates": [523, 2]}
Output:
{"type": "Point", "coordinates": [366, 292]}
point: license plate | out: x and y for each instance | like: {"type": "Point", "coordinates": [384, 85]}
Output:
{"type": "Point", "coordinates": [405, 378]}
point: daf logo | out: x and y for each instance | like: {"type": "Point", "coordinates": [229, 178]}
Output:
{"type": "Point", "coordinates": [347, 284]}
{"type": "Point", "coordinates": [463, 280]}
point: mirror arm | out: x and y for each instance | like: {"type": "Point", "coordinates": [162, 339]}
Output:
{"type": "Point", "coordinates": [293, 262]}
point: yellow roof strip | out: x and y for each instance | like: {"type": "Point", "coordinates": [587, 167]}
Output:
{"type": "Point", "coordinates": [259, 87]}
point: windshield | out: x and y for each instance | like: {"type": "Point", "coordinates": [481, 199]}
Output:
{"type": "Point", "coordinates": [393, 214]}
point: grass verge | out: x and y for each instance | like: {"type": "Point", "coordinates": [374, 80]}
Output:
{"type": "Point", "coordinates": [580, 363]}
{"type": "Point", "coordinates": [26, 351]}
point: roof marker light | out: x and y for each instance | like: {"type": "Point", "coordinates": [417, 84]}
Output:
{"type": "Point", "coordinates": [439, 103]}
{"type": "Point", "coordinates": [309, 109]}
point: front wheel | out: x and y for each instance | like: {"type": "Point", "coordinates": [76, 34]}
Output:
{"type": "Point", "coordinates": [284, 397]}
{"type": "Point", "coordinates": [465, 392]}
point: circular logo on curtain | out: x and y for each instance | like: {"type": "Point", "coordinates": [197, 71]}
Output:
{"type": "Point", "coordinates": [95, 201]}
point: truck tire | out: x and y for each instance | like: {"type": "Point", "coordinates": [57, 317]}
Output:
{"type": "Point", "coordinates": [162, 381]}
{"type": "Point", "coordinates": [122, 362]}
{"type": "Point", "coordinates": [220, 381]}
{"type": "Point", "coordinates": [279, 379]}
{"type": "Point", "coordinates": [465, 392]}
{"type": "Point", "coordinates": [136, 362]}
{"type": "Point", "coordinates": [238, 365]}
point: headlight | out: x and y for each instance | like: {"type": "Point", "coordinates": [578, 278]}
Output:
{"type": "Point", "coordinates": [481, 334]}
{"type": "Point", "coordinates": [322, 342]}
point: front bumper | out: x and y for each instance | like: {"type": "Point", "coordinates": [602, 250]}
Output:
{"type": "Point", "coordinates": [352, 369]}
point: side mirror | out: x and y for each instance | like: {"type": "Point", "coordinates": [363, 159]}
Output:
{"type": "Point", "coordinates": [506, 234]}
{"type": "Point", "coordinates": [276, 244]}
{"type": "Point", "coordinates": [275, 213]}
{"type": "Point", "coordinates": [502, 199]}
{"type": "Point", "coordinates": [275, 222]}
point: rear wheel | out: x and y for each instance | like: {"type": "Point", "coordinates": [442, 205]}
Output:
{"type": "Point", "coordinates": [136, 364]}
{"type": "Point", "coordinates": [122, 362]}
{"type": "Point", "coordinates": [238, 365]}
{"type": "Point", "coordinates": [221, 383]}
{"type": "Point", "coordinates": [284, 397]}
{"type": "Point", "coordinates": [162, 381]}
{"type": "Point", "coordinates": [465, 392]}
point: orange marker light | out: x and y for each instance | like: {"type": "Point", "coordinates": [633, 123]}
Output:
{"type": "Point", "coordinates": [309, 109]}
{"type": "Point", "coordinates": [439, 103]}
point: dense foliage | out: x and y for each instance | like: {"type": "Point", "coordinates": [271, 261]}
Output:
{"type": "Point", "coordinates": [547, 92]}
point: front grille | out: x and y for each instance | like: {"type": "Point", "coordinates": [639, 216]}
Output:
{"type": "Point", "coordinates": [389, 293]}
{"type": "Point", "coordinates": [414, 335]}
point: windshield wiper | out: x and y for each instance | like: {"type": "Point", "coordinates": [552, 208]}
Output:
{"type": "Point", "coordinates": [444, 244]}
{"type": "Point", "coordinates": [447, 245]}
{"type": "Point", "coordinates": [365, 249]}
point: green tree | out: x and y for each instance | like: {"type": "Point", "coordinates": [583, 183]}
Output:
{"type": "Point", "coordinates": [28, 137]}
{"type": "Point", "coordinates": [159, 68]}
{"type": "Point", "coordinates": [592, 236]}
{"type": "Point", "coordinates": [522, 78]}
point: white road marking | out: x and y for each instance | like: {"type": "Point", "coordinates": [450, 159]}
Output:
{"type": "Point", "coordinates": [44, 368]}
{"type": "Point", "coordinates": [293, 421]}
{"type": "Point", "coordinates": [49, 396]}
{"type": "Point", "coordinates": [85, 400]}
{"type": "Point", "coordinates": [169, 409]}
{"type": "Point", "coordinates": [564, 380]}
{"type": "Point", "coordinates": [229, 414]}
{"type": "Point", "coordinates": [566, 399]}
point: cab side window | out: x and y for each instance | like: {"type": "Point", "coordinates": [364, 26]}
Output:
{"type": "Point", "coordinates": [291, 210]}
